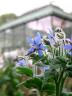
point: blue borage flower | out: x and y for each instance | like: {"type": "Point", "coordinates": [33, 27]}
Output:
{"type": "Point", "coordinates": [69, 47]}
{"type": "Point", "coordinates": [36, 45]}
{"type": "Point", "coordinates": [20, 62]}
{"type": "Point", "coordinates": [51, 38]}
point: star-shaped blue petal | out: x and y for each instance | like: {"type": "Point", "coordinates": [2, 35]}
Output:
{"type": "Point", "coordinates": [31, 50]}
{"type": "Point", "coordinates": [68, 46]}
{"type": "Point", "coordinates": [51, 38]}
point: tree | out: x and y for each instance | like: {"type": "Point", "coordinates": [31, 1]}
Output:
{"type": "Point", "coordinates": [7, 18]}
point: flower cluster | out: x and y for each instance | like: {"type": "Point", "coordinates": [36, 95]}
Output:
{"type": "Point", "coordinates": [53, 39]}
{"type": "Point", "coordinates": [50, 60]}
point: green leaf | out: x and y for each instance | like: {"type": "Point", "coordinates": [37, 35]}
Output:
{"type": "Point", "coordinates": [58, 62]}
{"type": "Point", "coordinates": [69, 70]}
{"type": "Point", "coordinates": [25, 70]}
{"type": "Point", "coordinates": [33, 83]}
{"type": "Point", "coordinates": [49, 88]}
{"type": "Point", "coordinates": [69, 73]}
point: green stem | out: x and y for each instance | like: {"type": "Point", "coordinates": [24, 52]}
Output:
{"type": "Point", "coordinates": [57, 90]}
{"type": "Point", "coordinates": [60, 83]}
{"type": "Point", "coordinates": [61, 75]}
{"type": "Point", "coordinates": [57, 85]}
{"type": "Point", "coordinates": [41, 93]}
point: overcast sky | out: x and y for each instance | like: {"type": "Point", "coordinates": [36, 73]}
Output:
{"type": "Point", "coordinates": [22, 6]}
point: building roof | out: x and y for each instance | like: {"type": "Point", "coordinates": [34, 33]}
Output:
{"type": "Point", "coordinates": [47, 10]}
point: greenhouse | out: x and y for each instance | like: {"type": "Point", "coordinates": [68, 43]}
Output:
{"type": "Point", "coordinates": [15, 33]}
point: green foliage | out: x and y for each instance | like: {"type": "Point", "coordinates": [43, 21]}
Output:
{"type": "Point", "coordinates": [24, 70]}
{"type": "Point", "coordinates": [9, 79]}
{"type": "Point", "coordinates": [41, 85]}
{"type": "Point", "coordinates": [53, 79]}
{"type": "Point", "coordinates": [49, 88]}
{"type": "Point", "coordinates": [67, 94]}
{"type": "Point", "coordinates": [69, 70]}
{"type": "Point", "coordinates": [59, 62]}
{"type": "Point", "coordinates": [33, 83]}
